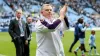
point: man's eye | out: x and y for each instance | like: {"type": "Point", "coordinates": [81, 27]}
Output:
{"type": "Point", "coordinates": [48, 10]}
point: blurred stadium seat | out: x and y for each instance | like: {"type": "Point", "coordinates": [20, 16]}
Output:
{"type": "Point", "coordinates": [76, 9]}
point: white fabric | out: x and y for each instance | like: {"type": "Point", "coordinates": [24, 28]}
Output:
{"type": "Point", "coordinates": [81, 40]}
{"type": "Point", "coordinates": [48, 41]}
{"type": "Point", "coordinates": [81, 26]}
{"type": "Point", "coordinates": [92, 40]}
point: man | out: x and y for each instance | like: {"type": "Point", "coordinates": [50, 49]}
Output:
{"type": "Point", "coordinates": [76, 37]}
{"type": "Point", "coordinates": [29, 32]}
{"type": "Point", "coordinates": [80, 33]}
{"type": "Point", "coordinates": [48, 41]}
{"type": "Point", "coordinates": [17, 31]}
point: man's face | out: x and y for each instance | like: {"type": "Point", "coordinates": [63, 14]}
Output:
{"type": "Point", "coordinates": [29, 19]}
{"type": "Point", "coordinates": [18, 14]}
{"type": "Point", "coordinates": [81, 21]}
{"type": "Point", "coordinates": [47, 11]}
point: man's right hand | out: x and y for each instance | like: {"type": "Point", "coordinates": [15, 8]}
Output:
{"type": "Point", "coordinates": [14, 38]}
{"type": "Point", "coordinates": [87, 25]}
{"type": "Point", "coordinates": [26, 42]}
{"type": "Point", "coordinates": [63, 12]}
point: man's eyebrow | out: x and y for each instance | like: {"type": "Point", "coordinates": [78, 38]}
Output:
{"type": "Point", "coordinates": [48, 9]}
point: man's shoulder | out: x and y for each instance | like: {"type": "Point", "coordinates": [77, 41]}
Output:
{"type": "Point", "coordinates": [13, 19]}
{"type": "Point", "coordinates": [91, 36]}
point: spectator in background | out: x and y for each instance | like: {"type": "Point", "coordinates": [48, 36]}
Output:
{"type": "Point", "coordinates": [17, 31]}
{"type": "Point", "coordinates": [29, 32]}
{"type": "Point", "coordinates": [12, 6]}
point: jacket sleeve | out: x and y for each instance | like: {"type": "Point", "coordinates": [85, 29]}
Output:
{"type": "Point", "coordinates": [64, 24]}
{"type": "Point", "coordinates": [45, 26]}
{"type": "Point", "coordinates": [83, 29]}
{"type": "Point", "coordinates": [27, 30]}
{"type": "Point", "coordinates": [11, 30]}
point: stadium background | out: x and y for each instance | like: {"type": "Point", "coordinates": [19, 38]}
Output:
{"type": "Point", "coordinates": [89, 10]}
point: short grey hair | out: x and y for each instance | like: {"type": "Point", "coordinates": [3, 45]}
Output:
{"type": "Point", "coordinates": [45, 5]}
{"type": "Point", "coordinates": [19, 10]}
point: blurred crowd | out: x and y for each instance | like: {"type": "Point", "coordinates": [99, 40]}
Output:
{"type": "Point", "coordinates": [32, 8]}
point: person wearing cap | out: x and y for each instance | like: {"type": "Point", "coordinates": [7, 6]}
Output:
{"type": "Point", "coordinates": [17, 31]}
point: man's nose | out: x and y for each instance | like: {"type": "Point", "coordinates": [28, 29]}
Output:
{"type": "Point", "coordinates": [49, 11]}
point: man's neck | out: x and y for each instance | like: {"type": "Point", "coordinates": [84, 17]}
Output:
{"type": "Point", "coordinates": [48, 17]}
{"type": "Point", "coordinates": [18, 18]}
